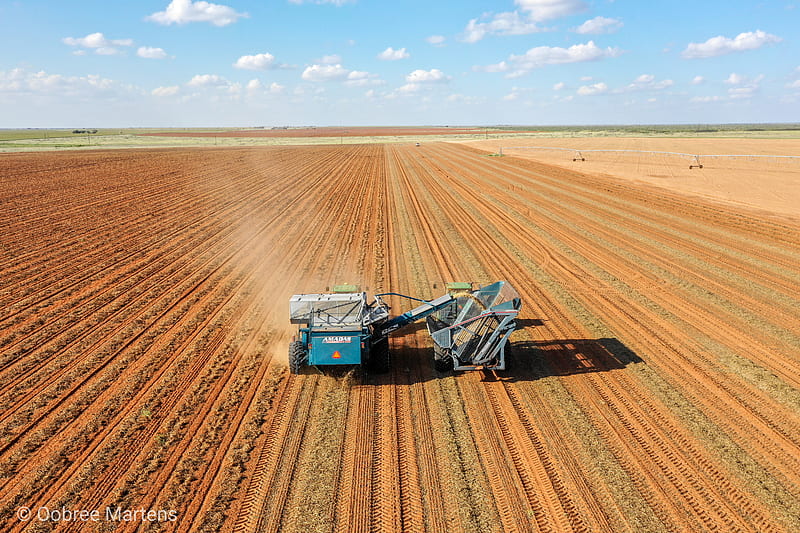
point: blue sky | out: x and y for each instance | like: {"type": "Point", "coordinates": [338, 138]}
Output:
{"type": "Point", "coordinates": [190, 63]}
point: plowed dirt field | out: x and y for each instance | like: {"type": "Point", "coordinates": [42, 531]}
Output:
{"type": "Point", "coordinates": [653, 382]}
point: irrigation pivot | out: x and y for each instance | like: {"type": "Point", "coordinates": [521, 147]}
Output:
{"type": "Point", "coordinates": [694, 159]}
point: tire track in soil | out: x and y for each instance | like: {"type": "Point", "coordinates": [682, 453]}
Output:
{"type": "Point", "coordinates": [421, 506]}
{"type": "Point", "coordinates": [357, 191]}
{"type": "Point", "coordinates": [474, 508]}
{"type": "Point", "coordinates": [739, 335]}
{"type": "Point", "coordinates": [133, 450]}
{"type": "Point", "coordinates": [205, 234]}
{"type": "Point", "coordinates": [514, 472]}
{"type": "Point", "coordinates": [246, 507]}
{"type": "Point", "coordinates": [775, 418]}
{"type": "Point", "coordinates": [268, 515]}
{"type": "Point", "coordinates": [195, 365]}
{"type": "Point", "coordinates": [464, 221]}
{"type": "Point", "coordinates": [419, 450]}
{"type": "Point", "coordinates": [345, 256]}
{"type": "Point", "coordinates": [198, 271]}
{"type": "Point", "coordinates": [576, 244]}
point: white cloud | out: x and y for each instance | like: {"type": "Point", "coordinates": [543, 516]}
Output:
{"type": "Point", "coordinates": [697, 80]}
{"type": "Point", "coordinates": [390, 54]}
{"type": "Point", "coordinates": [597, 88]}
{"type": "Point", "coordinates": [436, 40]}
{"type": "Point", "coordinates": [739, 79]}
{"type": "Point", "coordinates": [20, 82]}
{"type": "Point", "coordinates": [743, 86]}
{"type": "Point", "coordinates": [330, 60]}
{"type": "Point", "coordinates": [255, 87]}
{"type": "Point", "coordinates": [165, 91]}
{"type": "Point", "coordinates": [509, 23]}
{"type": "Point", "coordinates": [359, 78]}
{"type": "Point", "coordinates": [186, 11]}
{"type": "Point", "coordinates": [737, 93]}
{"type": "Point", "coordinates": [97, 42]}
{"type": "Point", "coordinates": [351, 78]}
{"type": "Point", "coordinates": [148, 52]}
{"type": "Point", "coordinates": [599, 25]}
{"type": "Point", "coordinates": [540, 56]}
{"type": "Point", "coordinates": [428, 76]}
{"type": "Point", "coordinates": [520, 22]}
{"type": "Point", "coordinates": [735, 79]}
{"type": "Point", "coordinates": [541, 10]}
{"type": "Point", "coordinates": [516, 93]}
{"type": "Point", "coordinates": [207, 80]}
{"type": "Point", "coordinates": [647, 82]}
{"type": "Point", "coordinates": [560, 86]}
{"type": "Point", "coordinates": [704, 99]}
{"type": "Point", "coordinates": [717, 46]}
{"type": "Point", "coordinates": [325, 73]}
{"type": "Point", "coordinates": [265, 61]}
{"type": "Point", "coordinates": [793, 85]}
{"type": "Point", "coordinates": [419, 78]}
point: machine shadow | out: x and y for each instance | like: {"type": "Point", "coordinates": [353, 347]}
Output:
{"type": "Point", "coordinates": [525, 361]}
{"type": "Point", "coordinates": [531, 360]}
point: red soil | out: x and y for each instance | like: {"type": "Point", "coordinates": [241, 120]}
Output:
{"type": "Point", "coordinates": [653, 382]}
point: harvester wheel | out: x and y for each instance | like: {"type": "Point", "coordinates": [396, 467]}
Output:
{"type": "Point", "coordinates": [379, 357]}
{"type": "Point", "coordinates": [442, 361]}
{"type": "Point", "coordinates": [297, 357]}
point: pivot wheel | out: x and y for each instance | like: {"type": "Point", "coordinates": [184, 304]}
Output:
{"type": "Point", "coordinates": [297, 357]}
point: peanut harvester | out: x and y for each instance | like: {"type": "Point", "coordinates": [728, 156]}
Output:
{"type": "Point", "coordinates": [469, 328]}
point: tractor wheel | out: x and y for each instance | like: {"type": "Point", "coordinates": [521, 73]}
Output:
{"type": "Point", "coordinates": [442, 361]}
{"type": "Point", "coordinates": [379, 357]}
{"type": "Point", "coordinates": [297, 357]}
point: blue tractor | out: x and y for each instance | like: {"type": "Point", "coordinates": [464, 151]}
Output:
{"type": "Point", "coordinates": [469, 328]}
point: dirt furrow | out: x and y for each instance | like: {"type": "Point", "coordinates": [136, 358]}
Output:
{"type": "Point", "coordinates": [454, 208]}
{"type": "Point", "coordinates": [652, 382]}
{"type": "Point", "coordinates": [777, 421]}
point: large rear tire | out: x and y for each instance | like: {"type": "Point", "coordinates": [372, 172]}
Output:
{"type": "Point", "coordinates": [297, 357]}
{"type": "Point", "coordinates": [442, 360]}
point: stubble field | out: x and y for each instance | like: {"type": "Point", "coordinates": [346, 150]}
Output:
{"type": "Point", "coordinates": [653, 382]}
